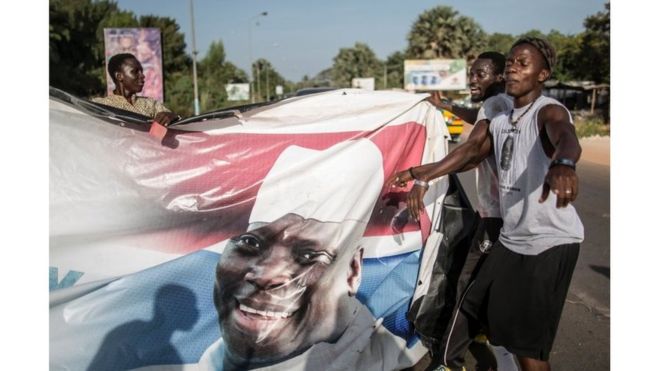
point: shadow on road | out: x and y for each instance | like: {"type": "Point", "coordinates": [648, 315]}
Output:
{"type": "Point", "coordinates": [605, 271]}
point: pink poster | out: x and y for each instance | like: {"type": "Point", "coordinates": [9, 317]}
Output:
{"type": "Point", "coordinates": [145, 44]}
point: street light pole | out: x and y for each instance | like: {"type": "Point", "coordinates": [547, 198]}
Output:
{"type": "Point", "coordinates": [268, 87]}
{"type": "Point", "coordinates": [194, 55]}
{"type": "Point", "coordinates": [262, 14]}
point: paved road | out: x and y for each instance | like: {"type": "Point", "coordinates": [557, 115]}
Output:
{"type": "Point", "coordinates": [583, 339]}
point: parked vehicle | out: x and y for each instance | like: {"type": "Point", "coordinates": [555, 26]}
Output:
{"type": "Point", "coordinates": [454, 124]}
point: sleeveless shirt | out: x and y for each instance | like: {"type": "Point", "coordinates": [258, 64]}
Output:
{"type": "Point", "coordinates": [488, 196]}
{"type": "Point", "coordinates": [530, 227]}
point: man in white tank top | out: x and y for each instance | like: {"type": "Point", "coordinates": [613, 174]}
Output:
{"type": "Point", "coordinates": [521, 288]}
{"type": "Point", "coordinates": [486, 79]}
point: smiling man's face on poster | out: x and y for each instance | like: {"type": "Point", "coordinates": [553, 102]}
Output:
{"type": "Point", "coordinates": [290, 280]}
{"type": "Point", "coordinates": [285, 286]}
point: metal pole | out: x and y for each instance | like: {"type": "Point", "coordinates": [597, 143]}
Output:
{"type": "Point", "coordinates": [250, 67]}
{"type": "Point", "coordinates": [593, 101]}
{"type": "Point", "coordinates": [385, 77]}
{"type": "Point", "coordinates": [258, 81]}
{"type": "Point", "coordinates": [262, 14]}
{"type": "Point", "coordinates": [194, 53]}
{"type": "Point", "coordinates": [267, 87]}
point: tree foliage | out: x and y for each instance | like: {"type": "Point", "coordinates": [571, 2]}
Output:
{"type": "Point", "coordinates": [358, 61]}
{"type": "Point", "coordinates": [595, 47]}
{"type": "Point", "coordinates": [442, 32]}
{"type": "Point", "coordinates": [74, 45]}
{"type": "Point", "coordinates": [394, 63]}
{"type": "Point", "coordinates": [500, 42]}
{"type": "Point", "coordinates": [77, 49]}
{"type": "Point", "coordinates": [214, 73]}
{"type": "Point", "coordinates": [266, 78]}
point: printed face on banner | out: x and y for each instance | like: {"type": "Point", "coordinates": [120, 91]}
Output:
{"type": "Point", "coordinates": [284, 286]}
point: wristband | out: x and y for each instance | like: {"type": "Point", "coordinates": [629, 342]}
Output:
{"type": "Point", "coordinates": [411, 173]}
{"type": "Point", "coordinates": [563, 161]}
{"type": "Point", "coordinates": [421, 183]}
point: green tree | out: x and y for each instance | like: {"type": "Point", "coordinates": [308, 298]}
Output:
{"type": "Point", "coordinates": [595, 48]}
{"type": "Point", "coordinates": [321, 79]}
{"type": "Point", "coordinates": [532, 33]}
{"type": "Point", "coordinates": [180, 92]}
{"type": "Point", "coordinates": [568, 49]}
{"type": "Point", "coordinates": [499, 42]}
{"type": "Point", "coordinates": [266, 79]}
{"type": "Point", "coordinates": [214, 73]}
{"type": "Point", "coordinates": [358, 61]}
{"type": "Point", "coordinates": [75, 46]}
{"type": "Point", "coordinates": [442, 32]}
{"type": "Point", "coordinates": [394, 63]}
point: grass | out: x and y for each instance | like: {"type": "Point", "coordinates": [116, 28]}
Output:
{"type": "Point", "coordinates": [588, 126]}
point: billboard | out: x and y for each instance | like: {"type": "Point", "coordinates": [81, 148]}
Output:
{"type": "Point", "coordinates": [237, 92]}
{"type": "Point", "coordinates": [435, 74]}
{"type": "Point", "coordinates": [145, 45]}
{"type": "Point", "coordinates": [269, 236]}
{"type": "Point", "coordinates": [367, 83]}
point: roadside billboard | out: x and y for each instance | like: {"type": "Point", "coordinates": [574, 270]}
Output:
{"type": "Point", "coordinates": [435, 74]}
{"type": "Point", "coordinates": [237, 92]}
{"type": "Point", "coordinates": [145, 45]}
{"type": "Point", "coordinates": [368, 83]}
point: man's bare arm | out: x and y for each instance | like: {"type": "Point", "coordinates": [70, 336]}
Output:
{"type": "Point", "coordinates": [561, 143]}
{"type": "Point", "coordinates": [464, 157]}
{"type": "Point", "coordinates": [468, 115]}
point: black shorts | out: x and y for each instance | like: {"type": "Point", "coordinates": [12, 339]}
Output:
{"type": "Point", "coordinates": [487, 233]}
{"type": "Point", "coordinates": [519, 298]}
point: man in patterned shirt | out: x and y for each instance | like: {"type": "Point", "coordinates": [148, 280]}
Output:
{"type": "Point", "coordinates": [127, 74]}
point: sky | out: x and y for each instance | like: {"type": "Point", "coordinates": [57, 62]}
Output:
{"type": "Point", "coordinates": [301, 37]}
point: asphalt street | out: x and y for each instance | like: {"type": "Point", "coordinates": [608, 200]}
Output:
{"type": "Point", "coordinates": [583, 338]}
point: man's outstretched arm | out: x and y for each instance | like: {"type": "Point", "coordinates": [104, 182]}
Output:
{"type": "Point", "coordinates": [465, 156]}
{"type": "Point", "coordinates": [468, 115]}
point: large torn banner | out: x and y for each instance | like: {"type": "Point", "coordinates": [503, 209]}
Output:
{"type": "Point", "coordinates": [261, 239]}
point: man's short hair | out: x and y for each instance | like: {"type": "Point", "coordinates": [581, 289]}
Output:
{"type": "Point", "coordinates": [115, 62]}
{"type": "Point", "coordinates": [543, 46]}
{"type": "Point", "coordinates": [498, 59]}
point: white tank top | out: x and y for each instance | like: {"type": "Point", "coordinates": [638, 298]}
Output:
{"type": "Point", "coordinates": [530, 227]}
{"type": "Point", "coordinates": [488, 196]}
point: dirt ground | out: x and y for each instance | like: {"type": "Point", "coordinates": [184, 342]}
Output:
{"type": "Point", "coordinates": [596, 149]}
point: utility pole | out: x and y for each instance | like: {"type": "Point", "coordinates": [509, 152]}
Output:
{"type": "Point", "coordinates": [259, 80]}
{"type": "Point", "coordinates": [194, 55]}
{"type": "Point", "coordinates": [267, 87]}
{"type": "Point", "coordinates": [262, 14]}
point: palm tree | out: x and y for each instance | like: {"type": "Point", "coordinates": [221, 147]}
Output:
{"type": "Point", "coordinates": [442, 32]}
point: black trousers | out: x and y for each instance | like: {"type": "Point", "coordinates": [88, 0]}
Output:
{"type": "Point", "coordinates": [459, 335]}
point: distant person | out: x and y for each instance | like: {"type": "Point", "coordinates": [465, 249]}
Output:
{"type": "Point", "coordinates": [486, 82]}
{"type": "Point", "coordinates": [520, 290]}
{"type": "Point", "coordinates": [127, 74]}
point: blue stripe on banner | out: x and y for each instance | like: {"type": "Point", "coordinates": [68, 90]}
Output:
{"type": "Point", "coordinates": [172, 319]}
